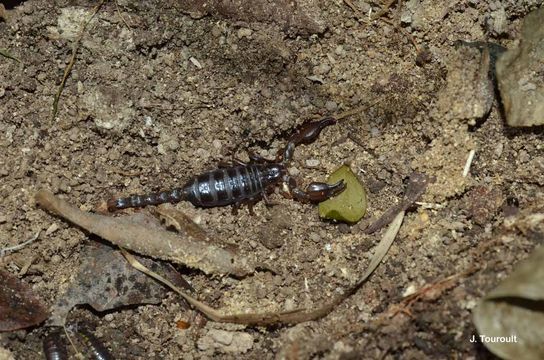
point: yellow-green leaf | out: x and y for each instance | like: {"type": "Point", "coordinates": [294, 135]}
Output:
{"type": "Point", "coordinates": [348, 206]}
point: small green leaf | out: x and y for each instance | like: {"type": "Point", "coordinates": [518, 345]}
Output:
{"type": "Point", "coordinates": [348, 206]}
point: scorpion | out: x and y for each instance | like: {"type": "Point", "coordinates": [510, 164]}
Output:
{"type": "Point", "coordinates": [241, 182]}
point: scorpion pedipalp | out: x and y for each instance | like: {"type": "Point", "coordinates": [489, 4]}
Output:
{"type": "Point", "coordinates": [316, 191]}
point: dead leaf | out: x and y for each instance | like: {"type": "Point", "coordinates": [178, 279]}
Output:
{"type": "Point", "coordinates": [106, 281]}
{"type": "Point", "coordinates": [510, 319]}
{"type": "Point", "coordinates": [19, 307]}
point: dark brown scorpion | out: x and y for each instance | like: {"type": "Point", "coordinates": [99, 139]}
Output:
{"type": "Point", "coordinates": [244, 182]}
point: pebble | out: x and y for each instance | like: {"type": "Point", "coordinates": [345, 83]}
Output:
{"type": "Point", "coordinates": [331, 105]}
{"type": "Point", "coordinates": [51, 229]}
{"type": "Point", "coordinates": [216, 144]}
{"type": "Point", "coordinates": [289, 304]}
{"type": "Point", "coordinates": [315, 237]}
{"type": "Point", "coordinates": [226, 341]}
{"type": "Point", "coordinates": [244, 32]}
{"type": "Point", "coordinates": [202, 154]}
{"type": "Point", "coordinates": [56, 259]}
{"type": "Point", "coordinates": [340, 51]}
{"type": "Point", "coordinates": [293, 171]}
{"type": "Point", "coordinates": [312, 163]}
{"type": "Point", "coordinates": [321, 69]}
{"type": "Point", "coordinates": [217, 31]}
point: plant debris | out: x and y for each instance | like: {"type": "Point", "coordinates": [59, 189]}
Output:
{"type": "Point", "coordinates": [350, 205]}
{"type": "Point", "coordinates": [142, 234]}
{"type": "Point", "coordinates": [19, 307]}
{"type": "Point", "coordinates": [106, 281]}
{"type": "Point", "coordinates": [514, 312]}
{"type": "Point", "coordinates": [284, 317]}
{"type": "Point", "coordinates": [417, 183]}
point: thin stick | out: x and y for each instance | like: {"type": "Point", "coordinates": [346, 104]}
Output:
{"type": "Point", "coordinates": [469, 162]}
{"type": "Point", "coordinates": [6, 54]}
{"type": "Point", "coordinates": [19, 246]}
{"type": "Point", "coordinates": [68, 69]}
{"type": "Point", "coordinates": [121, 15]}
{"type": "Point", "coordinates": [287, 317]}
{"type": "Point", "coordinates": [355, 111]}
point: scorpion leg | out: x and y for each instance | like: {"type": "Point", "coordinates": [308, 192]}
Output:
{"type": "Point", "coordinates": [306, 134]}
{"type": "Point", "coordinates": [316, 191]}
{"type": "Point", "coordinates": [256, 158]}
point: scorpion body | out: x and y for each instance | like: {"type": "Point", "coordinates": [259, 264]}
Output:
{"type": "Point", "coordinates": [218, 187]}
{"type": "Point", "coordinates": [242, 182]}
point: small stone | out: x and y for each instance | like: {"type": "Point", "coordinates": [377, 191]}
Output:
{"type": "Point", "coordinates": [56, 259]}
{"type": "Point", "coordinates": [321, 69]}
{"type": "Point", "coordinates": [161, 150]}
{"type": "Point", "coordinates": [244, 32]}
{"type": "Point", "coordinates": [331, 105]}
{"type": "Point", "coordinates": [216, 144]}
{"type": "Point", "coordinates": [221, 336]}
{"type": "Point", "coordinates": [315, 237]}
{"type": "Point", "coordinates": [312, 163]}
{"type": "Point", "coordinates": [51, 229]}
{"type": "Point", "coordinates": [217, 31]}
{"type": "Point", "coordinates": [293, 171]}
{"type": "Point", "coordinates": [226, 341]}
{"type": "Point", "coordinates": [289, 304]}
{"type": "Point", "coordinates": [406, 17]}
{"type": "Point", "coordinates": [202, 154]}
{"type": "Point", "coordinates": [340, 50]}
{"type": "Point", "coordinates": [520, 85]}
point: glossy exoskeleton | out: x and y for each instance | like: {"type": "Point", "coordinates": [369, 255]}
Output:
{"type": "Point", "coordinates": [243, 182]}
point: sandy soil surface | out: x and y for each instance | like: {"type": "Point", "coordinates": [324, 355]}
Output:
{"type": "Point", "coordinates": [153, 101]}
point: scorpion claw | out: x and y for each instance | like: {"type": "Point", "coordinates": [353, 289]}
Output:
{"type": "Point", "coordinates": [309, 131]}
{"type": "Point", "coordinates": [318, 191]}
{"type": "Point", "coordinates": [306, 134]}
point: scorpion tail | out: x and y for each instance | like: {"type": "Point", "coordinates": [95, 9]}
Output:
{"type": "Point", "coordinates": [170, 196]}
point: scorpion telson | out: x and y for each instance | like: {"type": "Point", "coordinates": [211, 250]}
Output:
{"type": "Point", "coordinates": [244, 182]}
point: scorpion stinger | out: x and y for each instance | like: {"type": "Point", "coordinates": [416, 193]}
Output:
{"type": "Point", "coordinates": [243, 182]}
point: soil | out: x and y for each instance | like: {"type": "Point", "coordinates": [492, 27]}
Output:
{"type": "Point", "coordinates": [155, 97]}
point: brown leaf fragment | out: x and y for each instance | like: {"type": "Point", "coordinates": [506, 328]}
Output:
{"type": "Point", "coordinates": [19, 307]}
{"type": "Point", "coordinates": [299, 16]}
{"type": "Point", "coordinates": [106, 281]}
{"type": "Point", "coordinates": [417, 184]}
{"type": "Point", "coordinates": [141, 233]}
{"type": "Point", "coordinates": [510, 319]}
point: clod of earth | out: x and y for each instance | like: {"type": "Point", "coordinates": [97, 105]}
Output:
{"type": "Point", "coordinates": [519, 74]}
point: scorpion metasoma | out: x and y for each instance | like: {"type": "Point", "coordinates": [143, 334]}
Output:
{"type": "Point", "coordinates": [242, 182]}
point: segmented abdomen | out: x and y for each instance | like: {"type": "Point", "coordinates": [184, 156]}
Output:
{"type": "Point", "coordinates": [225, 186]}
{"type": "Point", "coordinates": [54, 346]}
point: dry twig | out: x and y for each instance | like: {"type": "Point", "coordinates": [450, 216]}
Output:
{"type": "Point", "coordinates": [70, 65]}
{"type": "Point", "coordinates": [286, 317]}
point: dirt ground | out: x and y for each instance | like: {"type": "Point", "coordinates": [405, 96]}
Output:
{"type": "Point", "coordinates": [155, 97]}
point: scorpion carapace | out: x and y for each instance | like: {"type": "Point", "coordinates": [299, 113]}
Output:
{"type": "Point", "coordinates": [243, 182]}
